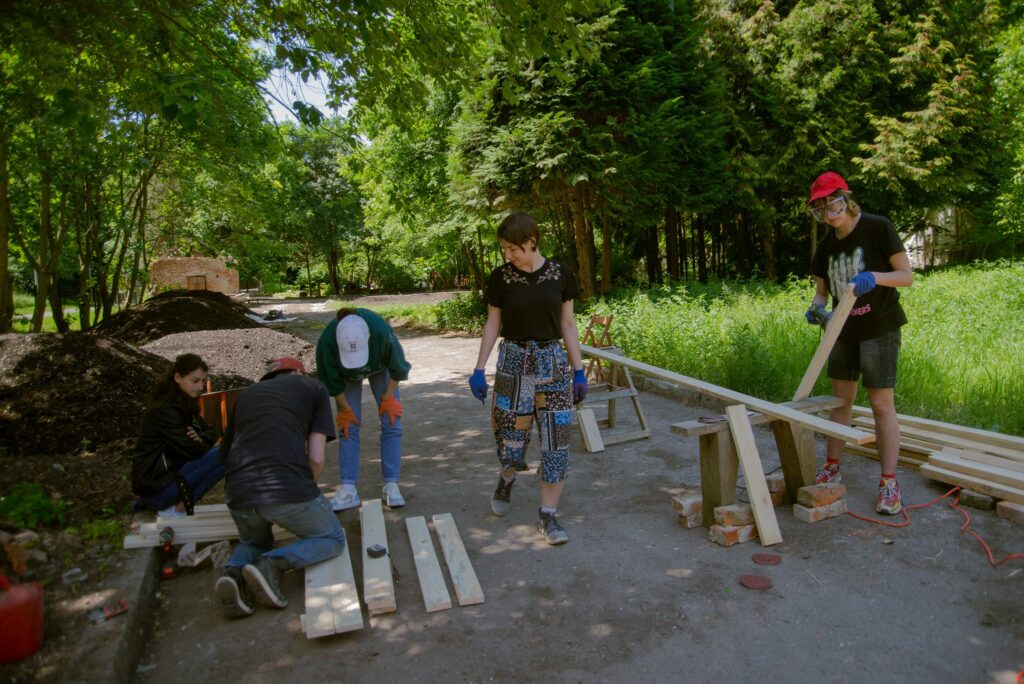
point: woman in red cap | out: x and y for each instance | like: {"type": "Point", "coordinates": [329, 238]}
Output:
{"type": "Point", "coordinates": [862, 249]}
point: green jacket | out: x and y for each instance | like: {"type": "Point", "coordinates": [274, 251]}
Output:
{"type": "Point", "coordinates": [385, 353]}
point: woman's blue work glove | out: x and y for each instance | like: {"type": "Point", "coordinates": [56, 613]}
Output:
{"type": "Point", "coordinates": [478, 384]}
{"type": "Point", "coordinates": [863, 283]}
{"type": "Point", "coordinates": [579, 385]}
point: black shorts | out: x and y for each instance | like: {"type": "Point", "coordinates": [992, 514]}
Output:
{"type": "Point", "coordinates": [875, 359]}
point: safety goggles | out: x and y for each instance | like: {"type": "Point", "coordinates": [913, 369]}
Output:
{"type": "Point", "coordinates": [831, 209]}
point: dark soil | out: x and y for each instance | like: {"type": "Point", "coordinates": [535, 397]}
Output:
{"type": "Point", "coordinates": [175, 311]}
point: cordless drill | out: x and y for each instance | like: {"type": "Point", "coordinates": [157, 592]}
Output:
{"type": "Point", "coordinates": [819, 314]}
{"type": "Point", "coordinates": [169, 568]}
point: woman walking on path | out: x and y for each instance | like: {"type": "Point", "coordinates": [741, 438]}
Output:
{"type": "Point", "coordinates": [862, 249]}
{"type": "Point", "coordinates": [530, 305]}
{"type": "Point", "coordinates": [360, 345]}
{"type": "Point", "coordinates": [175, 461]}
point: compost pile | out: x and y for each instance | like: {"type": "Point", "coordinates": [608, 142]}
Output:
{"type": "Point", "coordinates": [246, 353]}
{"type": "Point", "coordinates": [175, 311]}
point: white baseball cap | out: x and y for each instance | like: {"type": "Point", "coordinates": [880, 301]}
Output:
{"type": "Point", "coordinates": [353, 341]}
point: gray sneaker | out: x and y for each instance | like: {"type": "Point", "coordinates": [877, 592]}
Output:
{"type": "Point", "coordinates": [552, 531]}
{"type": "Point", "coordinates": [233, 594]}
{"type": "Point", "coordinates": [264, 578]}
{"type": "Point", "coordinates": [502, 497]}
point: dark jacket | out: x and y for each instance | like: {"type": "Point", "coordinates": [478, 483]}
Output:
{"type": "Point", "coordinates": [164, 445]}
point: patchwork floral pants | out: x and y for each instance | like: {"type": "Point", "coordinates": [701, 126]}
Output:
{"type": "Point", "coordinates": [533, 382]}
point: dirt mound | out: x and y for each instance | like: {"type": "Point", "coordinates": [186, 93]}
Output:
{"type": "Point", "coordinates": [61, 394]}
{"type": "Point", "coordinates": [175, 311]}
{"type": "Point", "coordinates": [245, 353]}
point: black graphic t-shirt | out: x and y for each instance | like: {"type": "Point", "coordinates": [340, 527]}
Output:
{"type": "Point", "coordinates": [868, 247]}
{"type": "Point", "coordinates": [531, 303]}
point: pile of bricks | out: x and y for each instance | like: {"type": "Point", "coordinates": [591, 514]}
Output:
{"type": "Point", "coordinates": [734, 524]}
{"type": "Point", "coordinates": [776, 488]}
{"type": "Point", "coordinates": [820, 502]}
{"type": "Point", "coordinates": [690, 507]}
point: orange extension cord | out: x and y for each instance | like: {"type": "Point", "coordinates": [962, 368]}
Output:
{"type": "Point", "coordinates": [956, 505]}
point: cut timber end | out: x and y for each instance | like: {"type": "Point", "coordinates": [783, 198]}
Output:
{"type": "Point", "coordinates": [467, 587]}
{"type": "Point", "coordinates": [753, 473]}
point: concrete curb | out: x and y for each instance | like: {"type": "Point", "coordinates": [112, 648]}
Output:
{"type": "Point", "coordinates": [110, 651]}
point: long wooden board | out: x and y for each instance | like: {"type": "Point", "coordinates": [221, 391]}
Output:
{"type": "Point", "coordinates": [919, 436]}
{"type": "Point", "coordinates": [828, 340]}
{"type": "Point", "coordinates": [820, 425]}
{"type": "Point", "coordinates": [978, 484]}
{"type": "Point", "coordinates": [201, 534]}
{"type": "Point", "coordinates": [753, 475]}
{"type": "Point", "coordinates": [428, 569]}
{"type": "Point", "coordinates": [979, 457]}
{"type": "Point", "coordinates": [378, 582]}
{"type": "Point", "coordinates": [984, 436]}
{"type": "Point", "coordinates": [695, 428]}
{"type": "Point", "coordinates": [332, 602]}
{"type": "Point", "coordinates": [993, 474]}
{"type": "Point", "coordinates": [467, 587]}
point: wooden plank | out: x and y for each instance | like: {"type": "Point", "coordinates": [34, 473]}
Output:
{"type": "Point", "coordinates": [467, 587]}
{"type": "Point", "coordinates": [332, 602]}
{"type": "Point", "coordinates": [151, 537]}
{"type": "Point", "coordinates": [820, 425]}
{"type": "Point", "coordinates": [828, 340]}
{"type": "Point", "coordinates": [206, 510]}
{"type": "Point", "coordinates": [904, 458]}
{"type": "Point", "coordinates": [588, 429]}
{"type": "Point", "coordinates": [694, 428]}
{"type": "Point", "coordinates": [718, 466]}
{"type": "Point", "coordinates": [983, 436]}
{"type": "Point", "coordinates": [595, 397]}
{"type": "Point", "coordinates": [979, 457]}
{"type": "Point", "coordinates": [428, 569]}
{"type": "Point", "coordinates": [378, 582]}
{"type": "Point", "coordinates": [993, 474]}
{"type": "Point", "coordinates": [936, 440]}
{"type": "Point", "coordinates": [629, 437]}
{"type": "Point", "coordinates": [978, 484]}
{"type": "Point", "coordinates": [753, 475]}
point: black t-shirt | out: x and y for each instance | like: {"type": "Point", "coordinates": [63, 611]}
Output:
{"type": "Point", "coordinates": [531, 303]}
{"type": "Point", "coordinates": [264, 446]}
{"type": "Point", "coordinates": [868, 247]}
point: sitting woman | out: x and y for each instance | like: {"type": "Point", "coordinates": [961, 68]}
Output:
{"type": "Point", "coordinates": [175, 461]}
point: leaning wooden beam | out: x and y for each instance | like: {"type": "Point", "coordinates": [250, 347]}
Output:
{"type": "Point", "coordinates": [983, 436]}
{"type": "Point", "coordinates": [821, 425]}
{"type": "Point", "coordinates": [332, 602]}
{"type": "Point", "coordinates": [753, 475]}
{"type": "Point", "coordinates": [467, 587]}
{"type": "Point", "coordinates": [378, 582]}
{"type": "Point", "coordinates": [589, 431]}
{"type": "Point", "coordinates": [435, 593]}
{"type": "Point", "coordinates": [828, 340]}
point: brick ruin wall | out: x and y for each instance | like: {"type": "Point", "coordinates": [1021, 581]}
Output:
{"type": "Point", "coordinates": [174, 272]}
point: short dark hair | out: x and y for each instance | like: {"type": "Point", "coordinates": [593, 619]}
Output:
{"type": "Point", "coordinates": [518, 228]}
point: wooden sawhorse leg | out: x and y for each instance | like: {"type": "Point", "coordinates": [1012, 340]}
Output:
{"type": "Point", "coordinates": [718, 466]}
{"type": "Point", "coordinates": [796, 454]}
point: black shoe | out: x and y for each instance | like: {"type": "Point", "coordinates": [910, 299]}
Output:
{"type": "Point", "coordinates": [233, 594]}
{"type": "Point", "coordinates": [264, 578]}
{"type": "Point", "coordinates": [502, 497]}
{"type": "Point", "coordinates": [552, 531]}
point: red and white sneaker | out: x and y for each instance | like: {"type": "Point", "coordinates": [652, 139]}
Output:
{"type": "Point", "coordinates": [889, 502]}
{"type": "Point", "coordinates": [828, 473]}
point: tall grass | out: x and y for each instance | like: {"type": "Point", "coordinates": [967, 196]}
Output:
{"type": "Point", "coordinates": [961, 359]}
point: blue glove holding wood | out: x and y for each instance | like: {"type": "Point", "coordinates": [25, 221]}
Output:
{"type": "Point", "coordinates": [478, 384]}
{"type": "Point", "coordinates": [863, 283]}
{"type": "Point", "coordinates": [579, 385]}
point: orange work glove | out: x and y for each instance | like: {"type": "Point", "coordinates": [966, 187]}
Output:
{"type": "Point", "coordinates": [392, 407]}
{"type": "Point", "coordinates": [346, 417]}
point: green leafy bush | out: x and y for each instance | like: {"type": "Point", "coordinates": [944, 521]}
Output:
{"type": "Point", "coordinates": [465, 311]}
{"type": "Point", "coordinates": [29, 506]}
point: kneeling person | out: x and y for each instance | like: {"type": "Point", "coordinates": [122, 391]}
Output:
{"type": "Point", "coordinates": [273, 452]}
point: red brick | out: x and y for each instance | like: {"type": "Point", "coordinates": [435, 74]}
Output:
{"type": "Point", "coordinates": [727, 535]}
{"type": "Point", "coordinates": [691, 521]}
{"type": "Point", "coordinates": [984, 502]}
{"type": "Point", "coordinates": [816, 496]}
{"type": "Point", "coordinates": [173, 272]}
{"type": "Point", "coordinates": [778, 498]}
{"type": "Point", "coordinates": [734, 515]}
{"type": "Point", "coordinates": [689, 503]}
{"type": "Point", "coordinates": [819, 513]}
{"type": "Point", "coordinates": [1011, 511]}
{"type": "Point", "coordinates": [776, 482]}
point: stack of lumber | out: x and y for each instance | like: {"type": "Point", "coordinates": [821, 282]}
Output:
{"type": "Point", "coordinates": [985, 461]}
{"type": "Point", "coordinates": [210, 523]}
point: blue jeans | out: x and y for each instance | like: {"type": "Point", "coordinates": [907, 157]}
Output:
{"type": "Point", "coordinates": [200, 475]}
{"type": "Point", "coordinates": [390, 435]}
{"type": "Point", "coordinates": [313, 522]}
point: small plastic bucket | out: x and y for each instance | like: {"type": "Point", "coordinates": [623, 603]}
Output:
{"type": "Point", "coordinates": [21, 620]}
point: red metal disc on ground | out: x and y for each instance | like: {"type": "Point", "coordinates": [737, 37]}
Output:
{"type": "Point", "coordinates": [767, 558]}
{"type": "Point", "coordinates": [755, 582]}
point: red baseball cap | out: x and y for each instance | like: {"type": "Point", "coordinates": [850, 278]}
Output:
{"type": "Point", "coordinates": [826, 184]}
{"type": "Point", "coordinates": [283, 364]}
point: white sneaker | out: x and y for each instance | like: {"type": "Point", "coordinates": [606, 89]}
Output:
{"type": "Point", "coordinates": [171, 512]}
{"type": "Point", "coordinates": [392, 497]}
{"type": "Point", "coordinates": [345, 498]}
